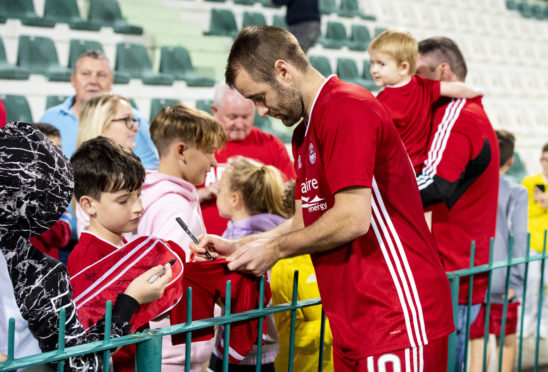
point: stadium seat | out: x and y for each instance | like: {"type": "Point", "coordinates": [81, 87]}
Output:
{"type": "Point", "coordinates": [217, 1]}
{"type": "Point", "coordinates": [134, 60]}
{"type": "Point", "coordinates": [525, 9]}
{"type": "Point", "coordinates": [359, 38]}
{"type": "Point", "coordinates": [538, 11]}
{"type": "Point", "coordinates": [222, 23]}
{"type": "Point", "coordinates": [17, 108]}
{"type": "Point", "coordinates": [39, 55]}
{"type": "Point", "coordinates": [244, 2]}
{"type": "Point", "coordinates": [54, 101]}
{"type": "Point", "coordinates": [66, 11]}
{"type": "Point", "coordinates": [262, 122]}
{"type": "Point", "coordinates": [268, 4]}
{"type": "Point", "coordinates": [156, 104]}
{"type": "Point", "coordinates": [511, 5]}
{"type": "Point", "coordinates": [321, 63]}
{"type": "Point", "coordinates": [350, 8]}
{"type": "Point", "coordinates": [24, 11]}
{"type": "Point", "coordinates": [335, 36]}
{"type": "Point", "coordinates": [328, 7]}
{"type": "Point", "coordinates": [108, 13]}
{"type": "Point", "coordinates": [366, 76]}
{"type": "Point", "coordinates": [253, 18]}
{"type": "Point", "coordinates": [132, 103]}
{"type": "Point", "coordinates": [347, 70]}
{"type": "Point", "coordinates": [176, 61]}
{"type": "Point", "coordinates": [8, 71]}
{"type": "Point", "coordinates": [204, 105]}
{"type": "Point", "coordinates": [279, 21]}
{"type": "Point", "coordinates": [3, 19]}
{"type": "Point", "coordinates": [379, 30]}
{"type": "Point", "coordinates": [79, 47]}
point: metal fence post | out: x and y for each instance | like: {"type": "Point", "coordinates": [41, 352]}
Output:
{"type": "Point", "coordinates": [452, 341]}
{"type": "Point", "coordinates": [149, 354]}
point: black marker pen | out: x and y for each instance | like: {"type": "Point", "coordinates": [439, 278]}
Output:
{"type": "Point", "coordinates": [185, 227]}
{"type": "Point", "coordinates": [156, 276]}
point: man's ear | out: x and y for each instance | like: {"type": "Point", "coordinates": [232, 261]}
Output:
{"type": "Point", "coordinates": [446, 73]}
{"type": "Point", "coordinates": [87, 203]}
{"type": "Point", "coordinates": [283, 71]}
{"type": "Point", "coordinates": [214, 109]}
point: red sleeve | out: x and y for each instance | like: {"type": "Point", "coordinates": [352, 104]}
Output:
{"type": "Point", "coordinates": [431, 88]}
{"type": "Point", "coordinates": [3, 118]}
{"type": "Point", "coordinates": [348, 139]}
{"type": "Point", "coordinates": [58, 235]}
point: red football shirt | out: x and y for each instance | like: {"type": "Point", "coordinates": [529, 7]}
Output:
{"type": "Point", "coordinates": [258, 145]}
{"type": "Point", "coordinates": [390, 290]}
{"type": "Point", "coordinates": [410, 107]}
{"type": "Point", "coordinates": [460, 179]}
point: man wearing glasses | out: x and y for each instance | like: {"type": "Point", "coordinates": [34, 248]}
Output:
{"type": "Point", "coordinates": [92, 76]}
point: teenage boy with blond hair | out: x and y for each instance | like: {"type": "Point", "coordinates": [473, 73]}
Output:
{"type": "Point", "coordinates": [186, 139]}
{"type": "Point", "coordinates": [406, 96]}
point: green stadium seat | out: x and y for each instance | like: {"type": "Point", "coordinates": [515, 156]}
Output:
{"type": "Point", "coordinates": [222, 23]}
{"type": "Point", "coordinates": [538, 11]}
{"type": "Point", "coordinates": [262, 122]}
{"type": "Point", "coordinates": [66, 11]}
{"type": "Point", "coordinates": [511, 5]}
{"type": "Point", "coordinates": [217, 1]}
{"type": "Point", "coordinates": [279, 21]}
{"type": "Point", "coordinates": [134, 60]}
{"type": "Point", "coordinates": [321, 63]}
{"type": "Point", "coordinates": [335, 36]}
{"type": "Point", "coordinates": [366, 75]}
{"type": "Point", "coordinates": [347, 70]}
{"type": "Point", "coordinates": [379, 30]}
{"type": "Point", "coordinates": [8, 71]}
{"type": "Point", "coordinates": [204, 105]}
{"type": "Point", "coordinates": [176, 62]}
{"type": "Point", "coordinates": [156, 104]}
{"type": "Point", "coordinates": [268, 4]}
{"type": "Point", "coordinates": [244, 2]}
{"type": "Point", "coordinates": [350, 8]}
{"type": "Point", "coordinates": [54, 101]}
{"type": "Point", "coordinates": [328, 7]}
{"type": "Point", "coordinates": [24, 11]}
{"type": "Point", "coordinates": [38, 54]}
{"type": "Point", "coordinates": [359, 38]}
{"type": "Point", "coordinates": [132, 103]}
{"type": "Point", "coordinates": [253, 18]}
{"type": "Point", "coordinates": [525, 9]}
{"type": "Point", "coordinates": [3, 19]}
{"type": "Point", "coordinates": [108, 13]}
{"type": "Point", "coordinates": [17, 108]}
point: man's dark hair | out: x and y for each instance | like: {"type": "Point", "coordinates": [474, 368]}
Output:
{"type": "Point", "coordinates": [506, 145]}
{"type": "Point", "coordinates": [545, 148]}
{"type": "Point", "coordinates": [100, 165]}
{"type": "Point", "coordinates": [48, 129]}
{"type": "Point", "coordinates": [257, 48]}
{"type": "Point", "coordinates": [445, 50]}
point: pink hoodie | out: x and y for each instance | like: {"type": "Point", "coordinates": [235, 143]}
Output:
{"type": "Point", "coordinates": [164, 198]}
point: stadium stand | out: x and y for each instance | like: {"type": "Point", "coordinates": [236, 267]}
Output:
{"type": "Point", "coordinates": [322, 64]}
{"type": "Point", "coordinates": [176, 61]}
{"type": "Point", "coordinates": [107, 13]}
{"type": "Point", "coordinates": [17, 108]}
{"type": "Point", "coordinates": [223, 23]}
{"type": "Point", "coordinates": [24, 11]}
{"type": "Point", "coordinates": [156, 104]}
{"type": "Point", "coordinates": [7, 71]}
{"type": "Point", "coordinates": [253, 18]}
{"type": "Point", "coordinates": [359, 38]}
{"type": "Point", "coordinates": [54, 101]}
{"type": "Point", "coordinates": [133, 59]}
{"type": "Point", "coordinates": [39, 55]}
{"type": "Point", "coordinates": [279, 21]}
{"type": "Point", "coordinates": [335, 36]}
{"type": "Point", "coordinates": [66, 11]}
{"type": "Point", "coordinates": [347, 69]}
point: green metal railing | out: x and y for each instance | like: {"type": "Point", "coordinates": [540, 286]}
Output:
{"type": "Point", "coordinates": [149, 342]}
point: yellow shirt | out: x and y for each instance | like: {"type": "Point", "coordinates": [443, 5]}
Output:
{"type": "Point", "coordinates": [308, 320]}
{"type": "Point", "coordinates": [538, 216]}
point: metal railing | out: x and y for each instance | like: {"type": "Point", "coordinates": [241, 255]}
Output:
{"type": "Point", "coordinates": [149, 342]}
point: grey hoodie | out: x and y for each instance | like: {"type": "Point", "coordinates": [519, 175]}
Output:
{"type": "Point", "coordinates": [36, 184]}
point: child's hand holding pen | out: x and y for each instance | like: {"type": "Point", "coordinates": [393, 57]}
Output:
{"type": "Point", "coordinates": [145, 291]}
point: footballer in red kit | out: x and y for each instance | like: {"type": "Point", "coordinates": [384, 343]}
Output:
{"type": "Point", "coordinates": [350, 142]}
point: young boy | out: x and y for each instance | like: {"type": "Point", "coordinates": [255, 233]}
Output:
{"type": "Point", "coordinates": [58, 236]}
{"type": "Point", "coordinates": [108, 180]}
{"type": "Point", "coordinates": [511, 220]}
{"type": "Point", "coordinates": [186, 139]}
{"type": "Point", "coordinates": [407, 96]}
{"type": "Point", "coordinates": [36, 184]}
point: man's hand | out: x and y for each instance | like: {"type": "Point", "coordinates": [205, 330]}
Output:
{"type": "Point", "coordinates": [511, 294]}
{"type": "Point", "coordinates": [216, 246]}
{"type": "Point", "coordinates": [541, 198]}
{"type": "Point", "coordinates": [3, 357]}
{"type": "Point", "coordinates": [254, 256]}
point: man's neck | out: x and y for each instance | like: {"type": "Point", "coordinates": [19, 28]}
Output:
{"type": "Point", "coordinates": [311, 83]}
